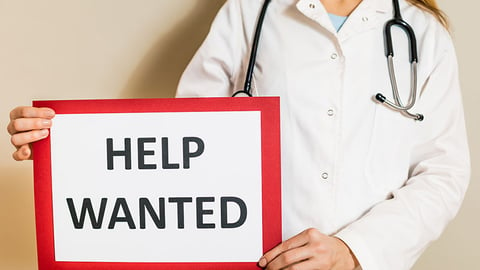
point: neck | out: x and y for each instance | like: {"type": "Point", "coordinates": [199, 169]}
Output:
{"type": "Point", "coordinates": [340, 7]}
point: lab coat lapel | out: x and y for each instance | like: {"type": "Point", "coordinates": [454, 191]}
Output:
{"type": "Point", "coordinates": [368, 15]}
{"type": "Point", "coordinates": [314, 10]}
{"type": "Point", "coordinates": [365, 17]}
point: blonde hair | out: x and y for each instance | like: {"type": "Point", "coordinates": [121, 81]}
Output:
{"type": "Point", "coordinates": [432, 7]}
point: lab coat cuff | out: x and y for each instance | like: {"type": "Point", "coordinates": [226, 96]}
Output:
{"type": "Point", "coordinates": [359, 248]}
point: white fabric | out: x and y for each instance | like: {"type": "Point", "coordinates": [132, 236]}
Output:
{"type": "Point", "coordinates": [392, 184]}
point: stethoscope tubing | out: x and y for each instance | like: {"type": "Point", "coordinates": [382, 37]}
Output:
{"type": "Point", "coordinates": [253, 54]}
{"type": "Point", "coordinates": [397, 21]}
{"type": "Point", "coordinates": [410, 34]}
{"type": "Point", "coordinates": [397, 104]}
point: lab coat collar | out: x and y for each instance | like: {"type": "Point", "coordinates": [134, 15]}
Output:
{"type": "Point", "coordinates": [382, 6]}
{"type": "Point", "coordinates": [377, 5]}
{"type": "Point", "coordinates": [368, 12]}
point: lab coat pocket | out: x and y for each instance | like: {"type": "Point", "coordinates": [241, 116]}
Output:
{"type": "Point", "coordinates": [388, 155]}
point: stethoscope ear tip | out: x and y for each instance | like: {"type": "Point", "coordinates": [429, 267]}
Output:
{"type": "Point", "coordinates": [380, 98]}
{"type": "Point", "coordinates": [383, 100]}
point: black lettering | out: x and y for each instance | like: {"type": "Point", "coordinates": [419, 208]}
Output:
{"type": "Point", "coordinates": [165, 162]}
{"type": "Point", "coordinates": [142, 153]}
{"type": "Point", "coordinates": [180, 201]}
{"type": "Point", "coordinates": [201, 212]}
{"type": "Point", "coordinates": [187, 155]}
{"type": "Point", "coordinates": [127, 153]}
{"type": "Point", "coordinates": [121, 203]}
{"type": "Point", "coordinates": [224, 215]}
{"type": "Point", "coordinates": [87, 207]}
{"type": "Point", "coordinates": [159, 219]}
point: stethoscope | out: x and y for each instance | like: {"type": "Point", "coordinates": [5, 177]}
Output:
{"type": "Point", "coordinates": [397, 103]}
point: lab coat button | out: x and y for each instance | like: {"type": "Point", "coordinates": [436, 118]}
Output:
{"type": "Point", "coordinates": [330, 112]}
{"type": "Point", "coordinates": [325, 176]}
{"type": "Point", "coordinates": [334, 56]}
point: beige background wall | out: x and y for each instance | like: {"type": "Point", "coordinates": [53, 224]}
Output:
{"type": "Point", "coordinates": [56, 49]}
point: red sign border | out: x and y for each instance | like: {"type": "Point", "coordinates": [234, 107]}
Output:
{"type": "Point", "coordinates": [271, 174]}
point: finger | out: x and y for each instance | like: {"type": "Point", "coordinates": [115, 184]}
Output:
{"type": "Point", "coordinates": [298, 240]}
{"type": "Point", "coordinates": [26, 124]}
{"type": "Point", "coordinates": [20, 139]}
{"type": "Point", "coordinates": [23, 153]}
{"type": "Point", "coordinates": [31, 112]}
{"type": "Point", "coordinates": [291, 257]}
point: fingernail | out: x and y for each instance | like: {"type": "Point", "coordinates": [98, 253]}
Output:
{"type": "Point", "coordinates": [26, 152]}
{"type": "Point", "coordinates": [46, 123]}
{"type": "Point", "coordinates": [44, 132]}
{"type": "Point", "coordinates": [263, 262]}
{"type": "Point", "coordinates": [49, 113]}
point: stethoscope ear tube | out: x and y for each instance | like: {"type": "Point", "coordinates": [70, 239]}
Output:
{"type": "Point", "coordinates": [397, 105]}
{"type": "Point", "coordinates": [382, 99]}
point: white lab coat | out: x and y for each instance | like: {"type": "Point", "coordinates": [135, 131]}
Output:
{"type": "Point", "coordinates": [385, 184]}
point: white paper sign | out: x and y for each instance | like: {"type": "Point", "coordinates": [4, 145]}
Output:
{"type": "Point", "coordinates": [157, 187]}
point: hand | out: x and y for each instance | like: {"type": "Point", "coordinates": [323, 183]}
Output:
{"type": "Point", "coordinates": [310, 250]}
{"type": "Point", "coordinates": [27, 125]}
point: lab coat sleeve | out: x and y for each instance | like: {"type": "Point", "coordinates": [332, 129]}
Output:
{"type": "Point", "coordinates": [393, 234]}
{"type": "Point", "coordinates": [213, 69]}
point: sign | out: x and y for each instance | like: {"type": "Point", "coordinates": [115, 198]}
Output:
{"type": "Point", "coordinates": [158, 184]}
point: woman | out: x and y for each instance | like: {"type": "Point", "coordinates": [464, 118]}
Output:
{"type": "Point", "coordinates": [363, 185]}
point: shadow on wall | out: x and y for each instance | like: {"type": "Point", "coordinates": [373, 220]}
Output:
{"type": "Point", "coordinates": [158, 73]}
